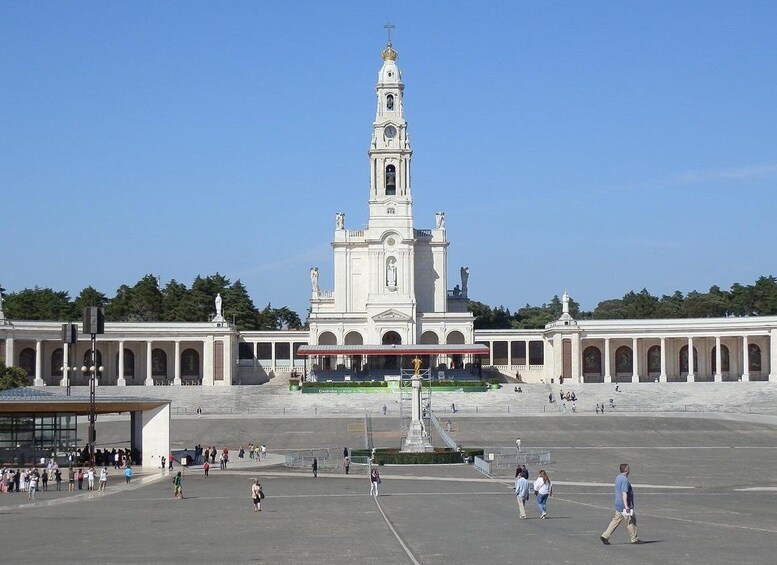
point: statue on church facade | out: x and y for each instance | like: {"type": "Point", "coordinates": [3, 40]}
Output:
{"type": "Point", "coordinates": [439, 218]}
{"type": "Point", "coordinates": [218, 307]}
{"type": "Point", "coordinates": [391, 273]}
{"type": "Point", "coordinates": [464, 271]}
{"type": "Point", "coordinates": [340, 220]}
{"type": "Point", "coordinates": [314, 278]}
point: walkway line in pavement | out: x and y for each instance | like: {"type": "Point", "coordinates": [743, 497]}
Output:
{"type": "Point", "coordinates": [137, 483]}
{"type": "Point", "coordinates": [396, 534]}
{"type": "Point", "coordinates": [685, 520]}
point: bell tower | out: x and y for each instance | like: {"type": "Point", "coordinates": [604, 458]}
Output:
{"type": "Point", "coordinates": [391, 201]}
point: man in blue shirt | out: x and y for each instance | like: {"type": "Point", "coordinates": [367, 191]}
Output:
{"type": "Point", "coordinates": [521, 493]}
{"type": "Point", "coordinates": [624, 507]}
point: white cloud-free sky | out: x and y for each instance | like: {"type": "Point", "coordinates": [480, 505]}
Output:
{"type": "Point", "coordinates": [593, 147]}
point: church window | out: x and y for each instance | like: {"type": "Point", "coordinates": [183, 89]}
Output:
{"type": "Point", "coordinates": [390, 210]}
{"type": "Point", "coordinates": [390, 102]}
{"type": "Point", "coordinates": [391, 180]}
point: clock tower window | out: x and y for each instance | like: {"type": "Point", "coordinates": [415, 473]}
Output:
{"type": "Point", "coordinates": [390, 102]}
{"type": "Point", "coordinates": [391, 180]}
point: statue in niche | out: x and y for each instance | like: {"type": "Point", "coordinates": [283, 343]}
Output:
{"type": "Point", "coordinates": [391, 273]}
{"type": "Point", "coordinates": [390, 102]}
{"type": "Point", "coordinates": [340, 220]}
{"type": "Point", "coordinates": [314, 278]}
{"type": "Point", "coordinates": [439, 218]}
{"type": "Point", "coordinates": [565, 303]}
{"type": "Point", "coordinates": [218, 305]}
{"type": "Point", "coordinates": [464, 271]}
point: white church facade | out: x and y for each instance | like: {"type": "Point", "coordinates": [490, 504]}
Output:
{"type": "Point", "coordinates": [391, 300]}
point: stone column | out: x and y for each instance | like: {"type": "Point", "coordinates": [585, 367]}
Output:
{"type": "Point", "coordinates": [691, 368]}
{"type": "Point", "coordinates": [272, 357]}
{"type": "Point", "coordinates": [607, 375]}
{"type": "Point", "coordinates": [207, 362]}
{"type": "Point", "coordinates": [746, 359]}
{"type": "Point", "coordinates": [527, 353]}
{"type": "Point", "coordinates": [773, 356]}
{"type": "Point", "coordinates": [718, 357]}
{"type": "Point", "coordinates": [149, 368]}
{"type": "Point", "coordinates": [177, 364]}
{"type": "Point", "coordinates": [662, 377]}
{"type": "Point", "coordinates": [10, 356]}
{"type": "Point", "coordinates": [39, 364]}
{"type": "Point", "coordinates": [120, 380]}
{"type": "Point", "coordinates": [491, 353]}
{"type": "Point", "coordinates": [634, 361]}
{"type": "Point", "coordinates": [577, 366]}
{"type": "Point", "coordinates": [509, 354]}
{"type": "Point", "coordinates": [256, 356]}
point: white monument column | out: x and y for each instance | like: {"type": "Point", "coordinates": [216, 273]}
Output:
{"type": "Point", "coordinates": [718, 359]}
{"type": "Point", "coordinates": [120, 380]}
{"type": "Point", "coordinates": [634, 361]}
{"type": "Point", "coordinates": [149, 368]}
{"type": "Point", "coordinates": [38, 364]}
{"type": "Point", "coordinates": [491, 353]}
{"type": "Point", "coordinates": [256, 355]}
{"type": "Point", "coordinates": [746, 359]}
{"type": "Point", "coordinates": [773, 356]}
{"type": "Point", "coordinates": [10, 360]}
{"type": "Point", "coordinates": [607, 375]}
{"type": "Point", "coordinates": [65, 364]}
{"type": "Point", "coordinates": [177, 364]}
{"type": "Point", "coordinates": [662, 376]}
{"type": "Point", "coordinates": [691, 368]}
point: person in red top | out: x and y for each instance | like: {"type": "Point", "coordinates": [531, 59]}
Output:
{"type": "Point", "coordinates": [206, 468]}
{"type": "Point", "coordinates": [170, 461]}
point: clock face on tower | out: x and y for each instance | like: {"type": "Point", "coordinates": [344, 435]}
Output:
{"type": "Point", "coordinates": [390, 131]}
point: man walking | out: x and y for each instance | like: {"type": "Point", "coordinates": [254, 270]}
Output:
{"type": "Point", "coordinates": [518, 444]}
{"type": "Point", "coordinates": [521, 493]}
{"type": "Point", "coordinates": [624, 507]}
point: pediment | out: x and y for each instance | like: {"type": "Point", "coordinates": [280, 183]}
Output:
{"type": "Point", "coordinates": [391, 314]}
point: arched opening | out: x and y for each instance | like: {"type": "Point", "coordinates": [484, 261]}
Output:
{"type": "Point", "coordinates": [430, 338]}
{"type": "Point", "coordinates": [391, 338]}
{"type": "Point", "coordinates": [754, 360]}
{"type": "Point", "coordinates": [724, 360]}
{"type": "Point", "coordinates": [592, 365]}
{"type": "Point", "coordinates": [159, 363]}
{"type": "Point", "coordinates": [355, 338]}
{"type": "Point", "coordinates": [326, 362]}
{"type": "Point", "coordinates": [391, 180]}
{"type": "Point", "coordinates": [684, 360]}
{"type": "Point", "coordinates": [455, 338]}
{"type": "Point", "coordinates": [27, 361]}
{"type": "Point", "coordinates": [57, 362]}
{"type": "Point", "coordinates": [190, 364]}
{"type": "Point", "coordinates": [654, 361]}
{"type": "Point", "coordinates": [624, 363]}
{"type": "Point", "coordinates": [390, 102]}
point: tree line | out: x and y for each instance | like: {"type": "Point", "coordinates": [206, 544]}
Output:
{"type": "Point", "coordinates": [147, 301]}
{"type": "Point", "coordinates": [757, 299]}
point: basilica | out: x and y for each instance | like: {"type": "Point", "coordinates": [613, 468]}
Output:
{"type": "Point", "coordinates": [393, 301]}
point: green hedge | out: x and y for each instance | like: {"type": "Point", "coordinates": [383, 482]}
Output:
{"type": "Point", "coordinates": [396, 457]}
{"type": "Point", "coordinates": [343, 384]}
{"type": "Point", "coordinates": [459, 384]}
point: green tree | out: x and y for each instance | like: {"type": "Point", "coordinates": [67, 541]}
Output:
{"type": "Point", "coordinates": [86, 298]}
{"type": "Point", "coordinates": [178, 303]}
{"type": "Point", "coordinates": [765, 296]}
{"type": "Point", "coordinates": [203, 295]}
{"type": "Point", "coordinates": [609, 310]}
{"type": "Point", "coordinates": [670, 306]}
{"type": "Point", "coordinates": [239, 307]}
{"type": "Point", "coordinates": [38, 304]}
{"type": "Point", "coordinates": [12, 377]}
{"type": "Point", "coordinates": [119, 309]}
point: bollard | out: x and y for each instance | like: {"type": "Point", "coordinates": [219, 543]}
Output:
{"type": "Point", "coordinates": [508, 408]}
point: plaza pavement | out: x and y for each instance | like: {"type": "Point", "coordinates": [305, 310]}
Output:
{"type": "Point", "coordinates": [704, 483]}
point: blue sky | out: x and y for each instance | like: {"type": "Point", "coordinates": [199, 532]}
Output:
{"type": "Point", "coordinates": [596, 147]}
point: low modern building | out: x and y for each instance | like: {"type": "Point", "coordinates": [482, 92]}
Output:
{"type": "Point", "coordinates": [391, 288]}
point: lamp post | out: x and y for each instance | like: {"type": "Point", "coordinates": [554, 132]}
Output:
{"type": "Point", "coordinates": [94, 323]}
